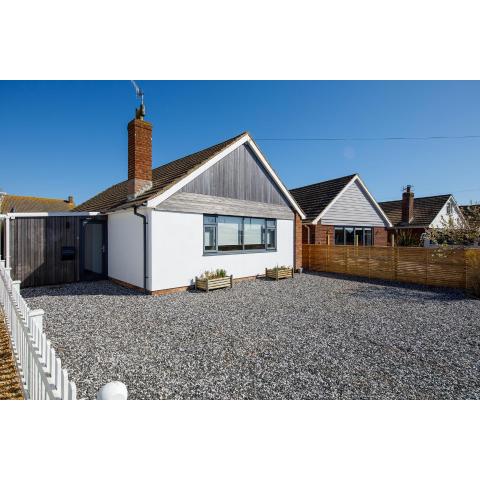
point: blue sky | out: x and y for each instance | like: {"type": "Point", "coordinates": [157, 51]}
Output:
{"type": "Point", "coordinates": [62, 138]}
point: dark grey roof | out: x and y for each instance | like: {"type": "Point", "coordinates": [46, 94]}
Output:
{"type": "Point", "coordinates": [425, 209]}
{"type": "Point", "coordinates": [313, 199]}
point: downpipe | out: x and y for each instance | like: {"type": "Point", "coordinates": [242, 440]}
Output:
{"type": "Point", "coordinates": [144, 218]}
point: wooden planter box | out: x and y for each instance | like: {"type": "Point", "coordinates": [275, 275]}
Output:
{"type": "Point", "coordinates": [212, 284]}
{"type": "Point", "coordinates": [277, 274]}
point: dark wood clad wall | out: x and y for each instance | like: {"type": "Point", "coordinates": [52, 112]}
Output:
{"type": "Point", "coordinates": [238, 175]}
{"type": "Point", "coordinates": [36, 250]}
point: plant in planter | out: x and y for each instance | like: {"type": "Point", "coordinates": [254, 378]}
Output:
{"type": "Point", "coordinates": [279, 272]}
{"type": "Point", "coordinates": [211, 280]}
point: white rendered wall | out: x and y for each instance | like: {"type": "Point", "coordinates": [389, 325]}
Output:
{"type": "Point", "coordinates": [125, 247]}
{"type": "Point", "coordinates": [177, 251]}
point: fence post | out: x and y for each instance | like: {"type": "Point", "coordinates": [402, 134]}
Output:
{"type": "Point", "coordinates": [16, 285]}
{"type": "Point", "coordinates": [37, 318]}
{"type": "Point", "coordinates": [113, 391]}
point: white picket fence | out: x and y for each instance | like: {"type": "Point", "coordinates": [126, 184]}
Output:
{"type": "Point", "coordinates": [41, 371]}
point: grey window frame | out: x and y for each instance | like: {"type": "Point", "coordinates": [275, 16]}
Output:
{"type": "Point", "coordinates": [265, 229]}
{"type": "Point", "coordinates": [355, 228]}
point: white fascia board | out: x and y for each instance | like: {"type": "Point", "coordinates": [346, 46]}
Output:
{"type": "Point", "coordinates": [277, 180]}
{"type": "Point", "coordinates": [329, 206]}
{"type": "Point", "coordinates": [375, 203]}
{"type": "Point", "coordinates": [342, 191]}
{"type": "Point", "coordinates": [52, 214]}
{"type": "Point", "coordinates": [455, 205]}
{"type": "Point", "coordinates": [154, 202]}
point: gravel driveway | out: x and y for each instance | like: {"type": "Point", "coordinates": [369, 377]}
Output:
{"type": "Point", "coordinates": [311, 337]}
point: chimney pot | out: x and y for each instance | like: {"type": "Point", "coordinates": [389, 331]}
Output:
{"type": "Point", "coordinates": [70, 199]}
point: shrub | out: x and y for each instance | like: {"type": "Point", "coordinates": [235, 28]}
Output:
{"type": "Point", "coordinates": [406, 238]}
{"type": "Point", "coordinates": [210, 275]}
{"type": "Point", "coordinates": [281, 267]}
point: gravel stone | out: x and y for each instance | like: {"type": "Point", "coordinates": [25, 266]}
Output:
{"type": "Point", "coordinates": [310, 337]}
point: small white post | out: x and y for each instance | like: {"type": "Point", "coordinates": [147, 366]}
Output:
{"type": "Point", "coordinates": [37, 318]}
{"type": "Point", "coordinates": [113, 391]}
{"type": "Point", "coordinates": [16, 285]}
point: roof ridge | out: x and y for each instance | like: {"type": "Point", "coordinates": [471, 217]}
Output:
{"type": "Point", "coordinates": [419, 198]}
{"type": "Point", "coordinates": [325, 181]}
{"type": "Point", "coordinates": [49, 199]}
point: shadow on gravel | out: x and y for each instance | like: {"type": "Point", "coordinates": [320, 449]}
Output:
{"type": "Point", "coordinates": [409, 291]}
{"type": "Point", "coordinates": [100, 287]}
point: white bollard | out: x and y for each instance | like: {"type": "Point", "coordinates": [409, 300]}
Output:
{"type": "Point", "coordinates": [113, 391]}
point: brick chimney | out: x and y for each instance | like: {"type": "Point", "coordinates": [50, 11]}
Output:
{"type": "Point", "coordinates": [139, 157]}
{"type": "Point", "coordinates": [407, 205]}
{"type": "Point", "coordinates": [70, 201]}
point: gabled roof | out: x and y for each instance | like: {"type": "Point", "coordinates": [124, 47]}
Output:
{"type": "Point", "coordinates": [162, 178]}
{"type": "Point", "coordinates": [425, 210]}
{"type": "Point", "coordinates": [20, 204]}
{"type": "Point", "coordinates": [168, 178]}
{"type": "Point", "coordinates": [313, 199]}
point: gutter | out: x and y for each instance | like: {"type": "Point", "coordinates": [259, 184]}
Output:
{"type": "Point", "coordinates": [144, 218]}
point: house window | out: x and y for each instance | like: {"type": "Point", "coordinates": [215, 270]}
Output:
{"type": "Point", "coordinates": [353, 236]}
{"type": "Point", "coordinates": [223, 234]}
{"type": "Point", "coordinates": [449, 208]}
{"type": "Point", "coordinates": [339, 236]}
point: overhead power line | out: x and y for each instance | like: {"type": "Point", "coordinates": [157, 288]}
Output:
{"type": "Point", "coordinates": [364, 139]}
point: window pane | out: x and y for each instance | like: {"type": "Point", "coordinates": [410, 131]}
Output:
{"type": "Point", "coordinates": [209, 219]}
{"type": "Point", "coordinates": [339, 236]}
{"type": "Point", "coordinates": [359, 236]}
{"type": "Point", "coordinates": [229, 233]}
{"type": "Point", "coordinates": [368, 236]}
{"type": "Point", "coordinates": [209, 240]}
{"type": "Point", "coordinates": [271, 238]}
{"type": "Point", "coordinates": [349, 235]}
{"type": "Point", "coordinates": [254, 233]}
{"type": "Point", "coordinates": [271, 223]}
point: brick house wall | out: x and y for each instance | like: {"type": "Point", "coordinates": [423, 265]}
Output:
{"type": "Point", "coordinates": [381, 237]}
{"type": "Point", "coordinates": [317, 234]}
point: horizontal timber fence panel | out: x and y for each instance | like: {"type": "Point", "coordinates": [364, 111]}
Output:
{"type": "Point", "coordinates": [445, 267]}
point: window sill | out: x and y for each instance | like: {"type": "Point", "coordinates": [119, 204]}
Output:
{"type": "Point", "coordinates": [237, 252]}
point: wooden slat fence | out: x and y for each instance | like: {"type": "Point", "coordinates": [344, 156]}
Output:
{"type": "Point", "coordinates": [455, 267]}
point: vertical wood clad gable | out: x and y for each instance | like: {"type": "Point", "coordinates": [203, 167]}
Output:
{"type": "Point", "coordinates": [238, 175]}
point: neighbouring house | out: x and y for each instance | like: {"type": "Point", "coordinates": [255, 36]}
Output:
{"type": "Point", "coordinates": [416, 215]}
{"type": "Point", "coordinates": [341, 211]}
{"type": "Point", "coordinates": [21, 204]}
{"type": "Point", "coordinates": [221, 207]}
